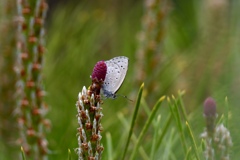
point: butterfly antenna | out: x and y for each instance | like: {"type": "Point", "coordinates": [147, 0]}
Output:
{"type": "Point", "coordinates": [125, 97]}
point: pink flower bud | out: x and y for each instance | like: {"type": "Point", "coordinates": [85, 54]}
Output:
{"type": "Point", "coordinates": [99, 71]}
{"type": "Point", "coordinates": [209, 107]}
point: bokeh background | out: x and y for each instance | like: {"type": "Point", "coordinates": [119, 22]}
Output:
{"type": "Point", "coordinates": [186, 45]}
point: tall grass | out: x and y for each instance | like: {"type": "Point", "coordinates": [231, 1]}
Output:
{"type": "Point", "coordinates": [199, 53]}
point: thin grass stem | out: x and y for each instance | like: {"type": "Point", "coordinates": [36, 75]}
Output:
{"type": "Point", "coordinates": [227, 112]}
{"type": "Point", "coordinates": [164, 131]}
{"type": "Point", "coordinates": [69, 154]}
{"type": "Point", "coordinates": [134, 137]}
{"type": "Point", "coordinates": [109, 145]}
{"type": "Point", "coordinates": [23, 154]}
{"type": "Point", "coordinates": [147, 125]}
{"type": "Point", "coordinates": [176, 114]}
{"type": "Point", "coordinates": [192, 139]}
{"type": "Point", "coordinates": [156, 130]}
{"type": "Point", "coordinates": [133, 120]}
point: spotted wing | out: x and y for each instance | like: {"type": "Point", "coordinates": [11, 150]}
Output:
{"type": "Point", "coordinates": [116, 72]}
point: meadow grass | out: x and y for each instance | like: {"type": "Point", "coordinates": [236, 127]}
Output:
{"type": "Point", "coordinates": [198, 53]}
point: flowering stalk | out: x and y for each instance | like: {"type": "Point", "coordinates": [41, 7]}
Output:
{"type": "Point", "coordinates": [217, 138]}
{"type": "Point", "coordinates": [150, 42]}
{"type": "Point", "coordinates": [30, 49]}
{"type": "Point", "coordinates": [89, 116]}
{"type": "Point", "coordinates": [8, 77]}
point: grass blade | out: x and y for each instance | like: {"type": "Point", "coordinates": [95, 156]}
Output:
{"type": "Point", "coordinates": [23, 154]}
{"type": "Point", "coordinates": [133, 120]}
{"type": "Point", "coordinates": [175, 111]}
{"type": "Point", "coordinates": [146, 126]}
{"type": "Point", "coordinates": [187, 157]}
{"type": "Point", "coordinates": [180, 103]}
{"type": "Point", "coordinates": [69, 154]}
{"type": "Point", "coordinates": [192, 139]}
{"type": "Point", "coordinates": [155, 137]}
{"type": "Point", "coordinates": [165, 128]}
{"type": "Point", "coordinates": [109, 145]}
{"type": "Point", "coordinates": [167, 149]}
{"type": "Point", "coordinates": [227, 112]}
{"type": "Point", "coordinates": [133, 138]}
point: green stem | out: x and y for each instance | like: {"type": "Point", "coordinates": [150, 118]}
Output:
{"type": "Point", "coordinates": [146, 126]}
{"type": "Point", "coordinates": [133, 120]}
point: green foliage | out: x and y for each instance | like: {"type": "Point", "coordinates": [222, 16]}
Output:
{"type": "Point", "coordinates": [147, 125]}
{"type": "Point", "coordinates": [199, 53]}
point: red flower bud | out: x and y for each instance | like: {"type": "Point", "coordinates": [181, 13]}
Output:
{"type": "Point", "coordinates": [99, 71]}
{"type": "Point", "coordinates": [209, 107]}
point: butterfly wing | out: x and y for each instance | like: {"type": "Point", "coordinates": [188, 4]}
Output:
{"type": "Point", "coordinates": [116, 72]}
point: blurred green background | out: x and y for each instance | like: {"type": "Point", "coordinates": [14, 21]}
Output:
{"type": "Point", "coordinates": [198, 52]}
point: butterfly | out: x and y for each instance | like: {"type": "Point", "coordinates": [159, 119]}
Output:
{"type": "Point", "coordinates": [116, 71]}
